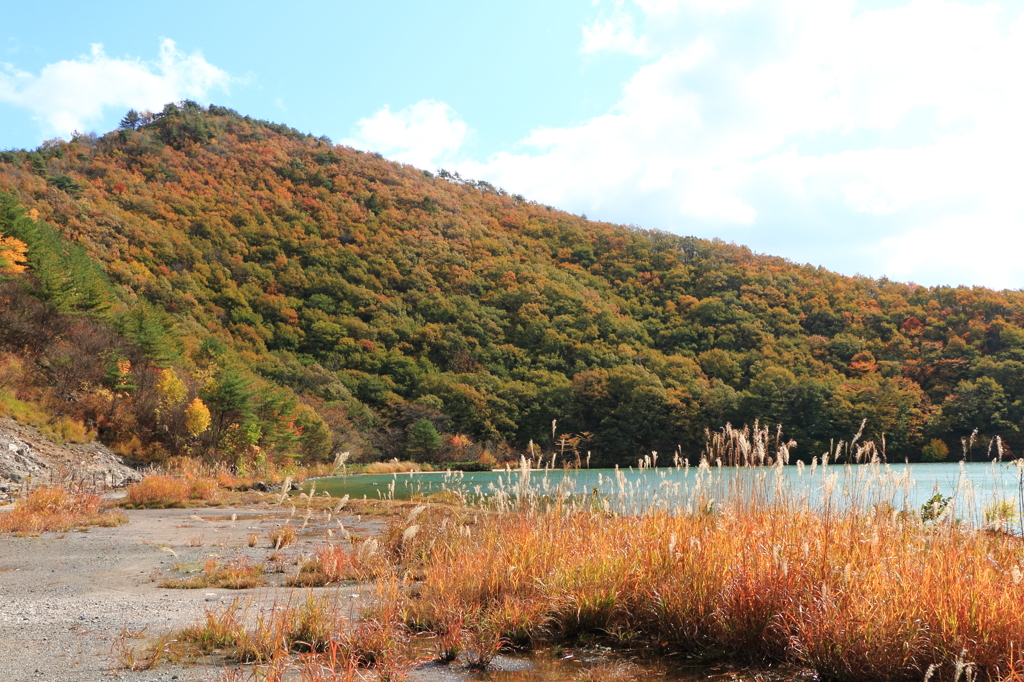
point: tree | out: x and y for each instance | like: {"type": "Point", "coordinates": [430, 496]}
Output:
{"type": "Point", "coordinates": [171, 388]}
{"type": "Point", "coordinates": [423, 440]}
{"type": "Point", "coordinates": [12, 256]}
{"type": "Point", "coordinates": [131, 120]}
{"type": "Point", "coordinates": [231, 398]}
{"type": "Point", "coordinates": [978, 404]}
{"type": "Point", "coordinates": [197, 418]}
{"type": "Point", "coordinates": [935, 451]}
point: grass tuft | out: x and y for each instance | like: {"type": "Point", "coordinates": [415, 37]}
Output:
{"type": "Point", "coordinates": [238, 574]}
{"type": "Point", "coordinates": [55, 509]}
{"type": "Point", "coordinates": [159, 491]}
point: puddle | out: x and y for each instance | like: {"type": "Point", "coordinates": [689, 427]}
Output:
{"type": "Point", "coordinates": [592, 666]}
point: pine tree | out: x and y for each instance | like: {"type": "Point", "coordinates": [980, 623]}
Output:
{"type": "Point", "coordinates": [131, 120]}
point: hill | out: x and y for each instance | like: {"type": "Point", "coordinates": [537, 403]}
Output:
{"type": "Point", "coordinates": [317, 298]}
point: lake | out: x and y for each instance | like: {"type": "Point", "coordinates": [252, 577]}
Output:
{"type": "Point", "coordinates": [973, 485]}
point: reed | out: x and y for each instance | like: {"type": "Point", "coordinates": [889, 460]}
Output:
{"type": "Point", "coordinates": [849, 581]}
{"type": "Point", "coordinates": [164, 490]}
{"type": "Point", "coordinates": [60, 509]}
{"type": "Point", "coordinates": [856, 592]}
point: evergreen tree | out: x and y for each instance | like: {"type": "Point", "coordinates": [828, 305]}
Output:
{"type": "Point", "coordinates": [131, 120]}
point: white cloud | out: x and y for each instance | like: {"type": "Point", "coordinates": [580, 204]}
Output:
{"type": "Point", "coordinates": [424, 134]}
{"type": "Point", "coordinates": [670, 7]}
{"type": "Point", "coordinates": [613, 34]}
{"type": "Point", "coordinates": [810, 128]}
{"type": "Point", "coordinates": [73, 94]}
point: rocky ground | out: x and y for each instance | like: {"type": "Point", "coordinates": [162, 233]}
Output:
{"type": "Point", "coordinates": [26, 456]}
{"type": "Point", "coordinates": [67, 600]}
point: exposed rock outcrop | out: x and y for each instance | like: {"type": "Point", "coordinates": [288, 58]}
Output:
{"type": "Point", "coordinates": [28, 457]}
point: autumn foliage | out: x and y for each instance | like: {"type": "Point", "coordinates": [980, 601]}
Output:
{"type": "Point", "coordinates": [320, 299]}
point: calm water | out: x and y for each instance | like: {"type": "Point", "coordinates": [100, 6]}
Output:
{"type": "Point", "coordinates": [974, 485]}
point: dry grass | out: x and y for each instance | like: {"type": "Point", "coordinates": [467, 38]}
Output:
{"type": "Point", "coordinates": [282, 536]}
{"type": "Point", "coordinates": [50, 508]}
{"type": "Point", "coordinates": [856, 595]}
{"type": "Point", "coordinates": [335, 564]}
{"type": "Point", "coordinates": [317, 627]}
{"type": "Point", "coordinates": [857, 592]}
{"type": "Point", "coordinates": [392, 467]}
{"type": "Point", "coordinates": [237, 574]}
{"type": "Point", "coordinates": [160, 491]}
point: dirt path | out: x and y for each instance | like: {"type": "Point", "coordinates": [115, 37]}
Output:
{"type": "Point", "coordinates": [66, 599]}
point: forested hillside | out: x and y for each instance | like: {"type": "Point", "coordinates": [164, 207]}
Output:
{"type": "Point", "coordinates": [315, 297]}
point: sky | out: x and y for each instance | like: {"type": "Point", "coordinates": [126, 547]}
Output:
{"type": "Point", "coordinates": [882, 137]}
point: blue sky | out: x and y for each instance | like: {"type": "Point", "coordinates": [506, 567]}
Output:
{"type": "Point", "coordinates": [880, 138]}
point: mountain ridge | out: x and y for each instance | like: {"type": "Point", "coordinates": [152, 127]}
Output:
{"type": "Point", "coordinates": [380, 296]}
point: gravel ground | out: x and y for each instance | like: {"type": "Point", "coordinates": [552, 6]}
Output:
{"type": "Point", "coordinates": [65, 600]}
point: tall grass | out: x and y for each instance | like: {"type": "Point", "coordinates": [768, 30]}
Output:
{"type": "Point", "coordinates": [849, 582]}
{"type": "Point", "coordinates": [318, 625]}
{"type": "Point", "coordinates": [391, 467]}
{"type": "Point", "coordinates": [844, 582]}
{"type": "Point", "coordinates": [165, 490]}
{"type": "Point", "coordinates": [51, 508]}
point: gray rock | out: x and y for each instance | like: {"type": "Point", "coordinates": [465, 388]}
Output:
{"type": "Point", "coordinates": [25, 454]}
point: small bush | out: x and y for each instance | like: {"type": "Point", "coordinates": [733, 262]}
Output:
{"type": "Point", "coordinates": [68, 430]}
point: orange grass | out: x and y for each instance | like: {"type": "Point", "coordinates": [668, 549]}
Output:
{"type": "Point", "coordinates": [335, 564]}
{"type": "Point", "coordinates": [163, 490]}
{"type": "Point", "coordinates": [854, 595]}
{"type": "Point", "coordinates": [316, 625]}
{"type": "Point", "coordinates": [50, 508]}
{"type": "Point", "coordinates": [866, 592]}
{"type": "Point", "coordinates": [238, 574]}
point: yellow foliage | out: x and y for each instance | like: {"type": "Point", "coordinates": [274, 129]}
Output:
{"type": "Point", "coordinates": [12, 255]}
{"type": "Point", "coordinates": [197, 417]}
{"type": "Point", "coordinates": [171, 388]}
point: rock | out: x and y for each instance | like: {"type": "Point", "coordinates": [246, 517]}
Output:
{"type": "Point", "coordinates": [260, 486]}
{"type": "Point", "coordinates": [26, 454]}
